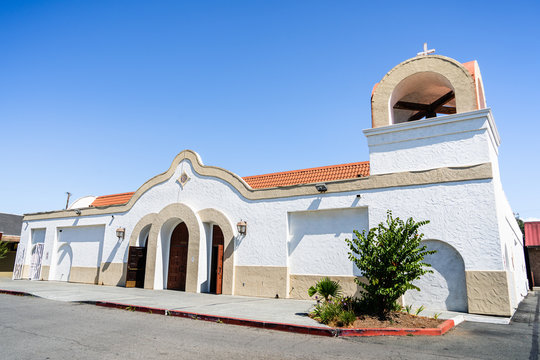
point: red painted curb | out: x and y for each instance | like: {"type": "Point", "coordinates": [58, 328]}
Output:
{"type": "Point", "coordinates": [439, 330]}
{"type": "Point", "coordinates": [145, 309]}
{"type": "Point", "coordinates": [300, 329]}
{"type": "Point", "coordinates": [14, 292]}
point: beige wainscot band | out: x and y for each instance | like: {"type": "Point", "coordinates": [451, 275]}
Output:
{"type": "Point", "coordinates": [45, 270]}
{"type": "Point", "coordinates": [299, 285]}
{"type": "Point", "coordinates": [487, 292]}
{"type": "Point", "coordinates": [113, 274]}
{"type": "Point", "coordinates": [261, 281]}
{"type": "Point", "coordinates": [86, 275]}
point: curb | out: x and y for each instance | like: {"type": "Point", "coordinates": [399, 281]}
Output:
{"type": "Point", "coordinates": [16, 293]}
{"type": "Point", "coordinates": [299, 329]}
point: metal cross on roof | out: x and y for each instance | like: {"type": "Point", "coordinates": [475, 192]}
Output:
{"type": "Point", "coordinates": [426, 51]}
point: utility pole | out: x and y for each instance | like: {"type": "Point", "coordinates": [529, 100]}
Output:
{"type": "Point", "coordinates": [67, 201]}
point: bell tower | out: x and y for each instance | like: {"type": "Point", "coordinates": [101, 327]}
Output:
{"type": "Point", "coordinates": [430, 112]}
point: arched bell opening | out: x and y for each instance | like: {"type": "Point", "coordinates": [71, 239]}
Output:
{"type": "Point", "coordinates": [422, 95]}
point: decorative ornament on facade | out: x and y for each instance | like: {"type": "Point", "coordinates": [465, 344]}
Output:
{"type": "Point", "coordinates": [183, 179]}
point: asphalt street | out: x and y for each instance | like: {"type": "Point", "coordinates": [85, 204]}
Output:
{"type": "Point", "coordinates": [36, 328]}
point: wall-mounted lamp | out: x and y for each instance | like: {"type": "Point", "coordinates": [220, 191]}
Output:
{"type": "Point", "coordinates": [242, 227]}
{"type": "Point", "coordinates": [78, 212]}
{"type": "Point", "coordinates": [120, 233]}
{"type": "Point", "coordinates": [321, 187]}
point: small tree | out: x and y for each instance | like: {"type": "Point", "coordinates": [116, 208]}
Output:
{"type": "Point", "coordinates": [391, 258]}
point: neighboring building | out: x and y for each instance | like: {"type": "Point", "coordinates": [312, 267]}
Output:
{"type": "Point", "coordinates": [181, 229]}
{"type": "Point", "coordinates": [10, 232]}
{"type": "Point", "coordinates": [532, 243]}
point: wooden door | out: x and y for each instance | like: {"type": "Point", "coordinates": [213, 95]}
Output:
{"type": "Point", "coordinates": [216, 274]}
{"type": "Point", "coordinates": [219, 272]}
{"type": "Point", "coordinates": [176, 279]}
{"type": "Point", "coordinates": [136, 266]}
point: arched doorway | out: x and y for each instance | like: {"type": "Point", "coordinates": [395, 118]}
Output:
{"type": "Point", "coordinates": [136, 264]}
{"type": "Point", "coordinates": [178, 257]}
{"type": "Point", "coordinates": [216, 269]}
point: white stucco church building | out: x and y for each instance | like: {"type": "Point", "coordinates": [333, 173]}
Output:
{"type": "Point", "coordinates": [433, 155]}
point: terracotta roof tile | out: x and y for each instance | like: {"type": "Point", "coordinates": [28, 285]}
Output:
{"type": "Point", "coordinates": [115, 199]}
{"type": "Point", "coordinates": [286, 178]}
{"type": "Point", "coordinates": [308, 176]}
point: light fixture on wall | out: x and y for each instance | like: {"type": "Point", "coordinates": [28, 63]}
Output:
{"type": "Point", "coordinates": [242, 227]}
{"type": "Point", "coordinates": [120, 233]}
{"type": "Point", "coordinates": [321, 187]}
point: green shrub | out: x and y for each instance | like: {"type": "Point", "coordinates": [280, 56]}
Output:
{"type": "Point", "coordinates": [333, 311]}
{"type": "Point", "coordinates": [346, 318]}
{"type": "Point", "coordinates": [330, 311]}
{"type": "Point", "coordinates": [326, 288]}
{"type": "Point", "coordinates": [391, 258]}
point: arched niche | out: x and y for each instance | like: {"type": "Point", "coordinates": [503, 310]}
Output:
{"type": "Point", "coordinates": [422, 78]}
{"type": "Point", "coordinates": [445, 288]}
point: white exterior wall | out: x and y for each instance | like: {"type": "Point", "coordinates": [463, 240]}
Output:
{"type": "Point", "coordinates": [306, 233]}
{"type": "Point", "coordinates": [317, 240]}
{"type": "Point", "coordinates": [461, 214]}
{"type": "Point", "coordinates": [446, 141]}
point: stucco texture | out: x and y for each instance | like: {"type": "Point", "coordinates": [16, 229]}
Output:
{"type": "Point", "coordinates": [261, 281]}
{"type": "Point", "coordinates": [299, 285]}
{"type": "Point", "coordinates": [461, 82]}
{"type": "Point", "coordinates": [488, 293]}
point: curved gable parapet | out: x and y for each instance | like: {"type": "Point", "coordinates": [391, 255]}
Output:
{"type": "Point", "coordinates": [444, 70]}
{"type": "Point", "coordinates": [439, 175]}
{"type": "Point", "coordinates": [198, 167]}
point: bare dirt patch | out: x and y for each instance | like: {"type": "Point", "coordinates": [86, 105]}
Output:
{"type": "Point", "coordinates": [395, 320]}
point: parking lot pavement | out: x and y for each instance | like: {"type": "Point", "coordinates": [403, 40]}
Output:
{"type": "Point", "coordinates": [37, 328]}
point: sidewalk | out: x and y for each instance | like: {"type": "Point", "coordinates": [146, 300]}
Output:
{"type": "Point", "coordinates": [282, 311]}
{"type": "Point", "coordinates": [262, 309]}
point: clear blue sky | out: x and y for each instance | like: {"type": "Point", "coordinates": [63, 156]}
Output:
{"type": "Point", "coordinates": [97, 97]}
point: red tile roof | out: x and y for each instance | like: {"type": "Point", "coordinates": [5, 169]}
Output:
{"type": "Point", "coordinates": [308, 176]}
{"type": "Point", "coordinates": [532, 233]}
{"type": "Point", "coordinates": [286, 178]}
{"type": "Point", "coordinates": [115, 199]}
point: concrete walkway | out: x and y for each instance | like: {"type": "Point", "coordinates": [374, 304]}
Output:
{"type": "Point", "coordinates": [261, 309]}
{"type": "Point", "coordinates": [285, 311]}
